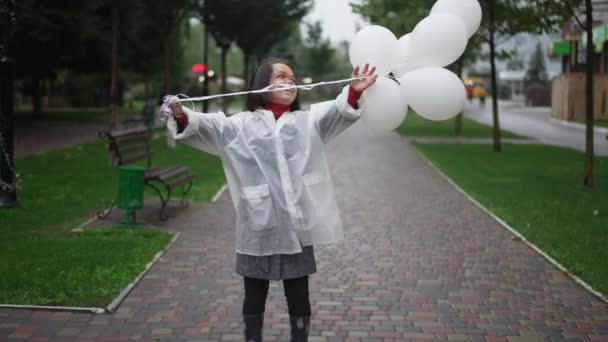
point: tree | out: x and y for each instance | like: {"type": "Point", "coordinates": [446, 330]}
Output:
{"type": "Point", "coordinates": [8, 183]}
{"type": "Point", "coordinates": [582, 13]}
{"type": "Point", "coordinates": [114, 77]}
{"type": "Point", "coordinates": [165, 20]}
{"type": "Point", "coordinates": [589, 67]}
{"type": "Point", "coordinates": [537, 71]}
{"type": "Point", "coordinates": [45, 26]}
{"type": "Point", "coordinates": [503, 19]}
{"type": "Point", "coordinates": [143, 55]}
{"type": "Point", "coordinates": [318, 51]}
{"type": "Point", "coordinates": [397, 15]}
{"type": "Point", "coordinates": [218, 17]}
{"type": "Point", "coordinates": [140, 18]}
{"type": "Point", "coordinates": [256, 37]}
{"type": "Point", "coordinates": [469, 56]}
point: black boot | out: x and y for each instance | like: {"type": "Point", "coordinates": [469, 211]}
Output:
{"type": "Point", "coordinates": [253, 327]}
{"type": "Point", "coordinates": [300, 326]}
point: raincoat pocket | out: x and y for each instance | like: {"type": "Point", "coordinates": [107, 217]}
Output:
{"type": "Point", "coordinates": [259, 207]}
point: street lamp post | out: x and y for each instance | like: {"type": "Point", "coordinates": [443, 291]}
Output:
{"type": "Point", "coordinates": [8, 191]}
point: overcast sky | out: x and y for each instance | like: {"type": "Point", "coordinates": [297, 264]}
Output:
{"type": "Point", "coordinates": [337, 19]}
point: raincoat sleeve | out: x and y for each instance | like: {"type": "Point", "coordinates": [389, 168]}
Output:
{"type": "Point", "coordinates": [332, 117]}
{"type": "Point", "coordinates": [205, 131]}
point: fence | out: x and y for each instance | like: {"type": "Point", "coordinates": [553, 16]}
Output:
{"type": "Point", "coordinates": [568, 97]}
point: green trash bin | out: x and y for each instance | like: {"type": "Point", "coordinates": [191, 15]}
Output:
{"type": "Point", "coordinates": [130, 190]}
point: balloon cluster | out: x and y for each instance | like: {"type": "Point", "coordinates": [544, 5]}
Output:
{"type": "Point", "coordinates": [416, 62]}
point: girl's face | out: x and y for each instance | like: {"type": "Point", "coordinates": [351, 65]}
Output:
{"type": "Point", "coordinates": [282, 74]}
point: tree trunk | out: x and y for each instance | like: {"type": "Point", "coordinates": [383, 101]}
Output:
{"type": "Point", "coordinates": [246, 69]}
{"type": "Point", "coordinates": [146, 87]}
{"type": "Point", "coordinates": [224, 75]}
{"type": "Point", "coordinates": [114, 77]}
{"type": "Point", "coordinates": [496, 129]}
{"type": "Point", "coordinates": [589, 68]}
{"type": "Point", "coordinates": [36, 95]}
{"type": "Point", "coordinates": [167, 59]}
{"type": "Point", "coordinates": [206, 73]}
{"type": "Point", "coordinates": [458, 119]}
{"type": "Point", "coordinates": [8, 186]}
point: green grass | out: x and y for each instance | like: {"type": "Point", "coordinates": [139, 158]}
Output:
{"type": "Point", "coordinates": [74, 269]}
{"type": "Point", "coordinates": [538, 190]}
{"type": "Point", "coordinates": [601, 123]}
{"type": "Point", "coordinates": [44, 263]}
{"type": "Point", "coordinates": [596, 123]}
{"type": "Point", "coordinates": [66, 186]}
{"type": "Point", "coordinates": [415, 125]}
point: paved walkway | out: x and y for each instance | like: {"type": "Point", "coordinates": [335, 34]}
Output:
{"type": "Point", "coordinates": [536, 123]}
{"type": "Point", "coordinates": [419, 262]}
{"type": "Point", "coordinates": [464, 140]}
{"type": "Point", "coordinates": [46, 134]}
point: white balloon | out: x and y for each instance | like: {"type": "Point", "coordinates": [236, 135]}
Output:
{"type": "Point", "coordinates": [468, 10]}
{"type": "Point", "coordinates": [438, 40]}
{"type": "Point", "coordinates": [404, 69]}
{"type": "Point", "coordinates": [405, 46]}
{"type": "Point", "coordinates": [405, 49]}
{"type": "Point", "coordinates": [377, 46]}
{"type": "Point", "coordinates": [383, 108]}
{"type": "Point", "coordinates": [434, 93]}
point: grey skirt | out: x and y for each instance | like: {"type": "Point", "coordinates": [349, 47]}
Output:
{"type": "Point", "coordinates": [277, 267]}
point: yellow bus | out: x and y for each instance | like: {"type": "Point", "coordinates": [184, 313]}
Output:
{"type": "Point", "coordinates": [475, 87]}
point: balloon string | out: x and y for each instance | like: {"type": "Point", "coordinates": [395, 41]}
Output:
{"type": "Point", "coordinates": [168, 100]}
{"type": "Point", "coordinates": [271, 88]}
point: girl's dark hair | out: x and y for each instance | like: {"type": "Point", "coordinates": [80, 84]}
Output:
{"type": "Point", "coordinates": [261, 79]}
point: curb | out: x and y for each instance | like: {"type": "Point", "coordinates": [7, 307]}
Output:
{"type": "Point", "coordinates": [505, 225]}
{"type": "Point", "coordinates": [115, 302]}
{"type": "Point", "coordinates": [598, 130]}
{"type": "Point", "coordinates": [53, 308]}
{"type": "Point", "coordinates": [219, 193]}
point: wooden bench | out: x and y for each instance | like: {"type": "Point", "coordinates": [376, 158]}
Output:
{"type": "Point", "coordinates": [128, 146]}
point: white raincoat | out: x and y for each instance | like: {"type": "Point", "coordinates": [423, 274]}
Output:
{"type": "Point", "coordinates": [277, 172]}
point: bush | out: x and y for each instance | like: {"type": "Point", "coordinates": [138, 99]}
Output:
{"type": "Point", "coordinates": [86, 90]}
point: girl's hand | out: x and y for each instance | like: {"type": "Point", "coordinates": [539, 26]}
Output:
{"type": "Point", "coordinates": [360, 85]}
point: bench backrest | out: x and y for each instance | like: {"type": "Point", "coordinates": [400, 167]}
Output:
{"type": "Point", "coordinates": [129, 146]}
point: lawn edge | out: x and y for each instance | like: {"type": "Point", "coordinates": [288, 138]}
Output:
{"type": "Point", "coordinates": [505, 225]}
{"type": "Point", "coordinates": [125, 292]}
{"type": "Point", "coordinates": [219, 193]}
{"type": "Point", "coordinates": [110, 308]}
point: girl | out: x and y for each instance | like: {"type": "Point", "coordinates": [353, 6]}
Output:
{"type": "Point", "coordinates": [274, 161]}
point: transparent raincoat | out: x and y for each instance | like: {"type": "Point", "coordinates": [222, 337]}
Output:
{"type": "Point", "coordinates": [277, 172]}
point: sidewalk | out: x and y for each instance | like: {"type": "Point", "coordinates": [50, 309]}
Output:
{"type": "Point", "coordinates": [45, 134]}
{"type": "Point", "coordinates": [536, 123]}
{"type": "Point", "coordinates": [419, 262]}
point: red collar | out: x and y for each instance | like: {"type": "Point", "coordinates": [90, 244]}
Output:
{"type": "Point", "coordinates": [277, 109]}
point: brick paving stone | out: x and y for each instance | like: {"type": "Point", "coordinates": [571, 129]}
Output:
{"type": "Point", "coordinates": [419, 262]}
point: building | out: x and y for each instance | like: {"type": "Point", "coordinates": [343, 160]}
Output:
{"type": "Point", "coordinates": [511, 73]}
{"type": "Point", "coordinates": [568, 99]}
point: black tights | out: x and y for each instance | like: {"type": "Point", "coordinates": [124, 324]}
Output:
{"type": "Point", "coordinates": [296, 292]}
